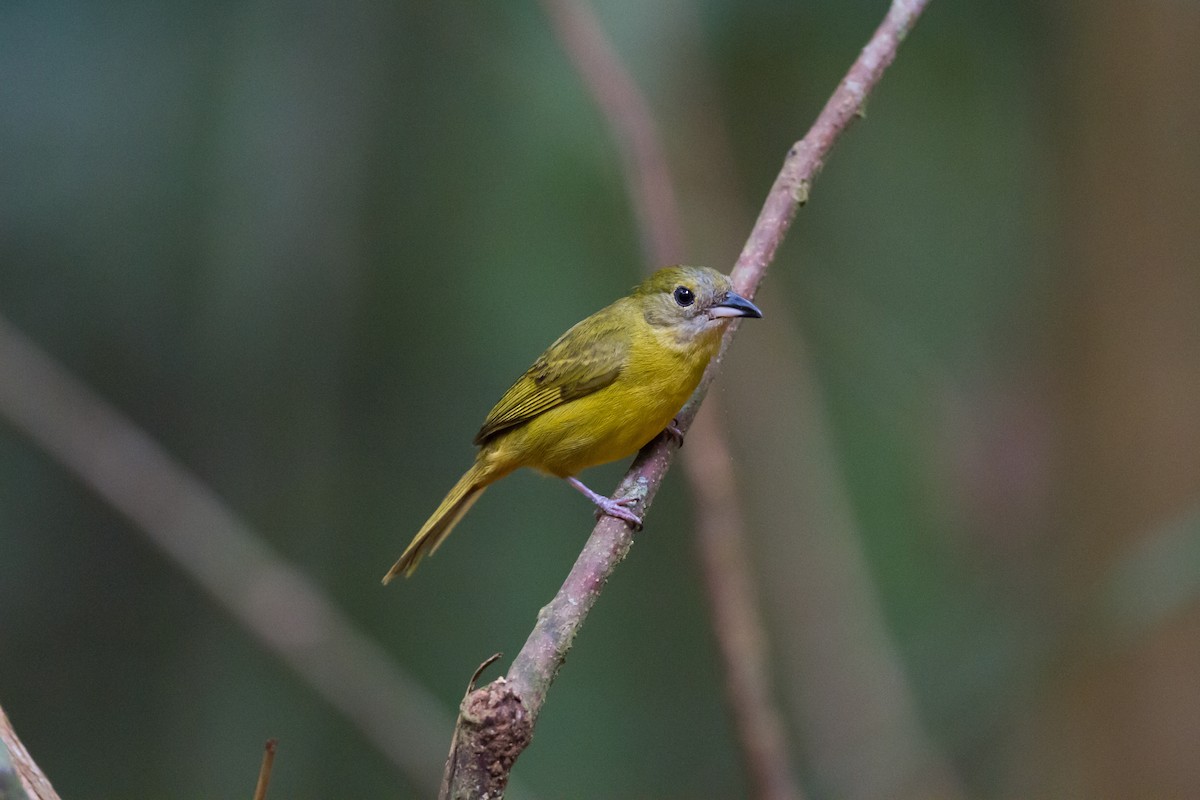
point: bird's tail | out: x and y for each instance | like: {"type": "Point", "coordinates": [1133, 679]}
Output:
{"type": "Point", "coordinates": [438, 527]}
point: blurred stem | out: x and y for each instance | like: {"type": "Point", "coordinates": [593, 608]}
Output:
{"type": "Point", "coordinates": [273, 600]}
{"type": "Point", "coordinates": [852, 702]}
{"type": "Point", "coordinates": [264, 771]}
{"type": "Point", "coordinates": [720, 526]}
{"type": "Point", "coordinates": [497, 720]}
{"type": "Point", "coordinates": [20, 776]}
{"type": "Point", "coordinates": [612, 88]}
{"type": "Point", "coordinates": [733, 604]}
{"type": "Point", "coordinates": [852, 705]}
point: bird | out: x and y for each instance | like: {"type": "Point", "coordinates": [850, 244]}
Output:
{"type": "Point", "coordinates": [599, 393]}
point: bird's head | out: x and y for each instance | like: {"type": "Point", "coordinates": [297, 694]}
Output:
{"type": "Point", "coordinates": [691, 300]}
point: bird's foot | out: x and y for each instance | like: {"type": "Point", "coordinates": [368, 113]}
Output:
{"type": "Point", "coordinates": [616, 508]}
{"type": "Point", "coordinates": [673, 433]}
{"type": "Point", "coordinates": [609, 506]}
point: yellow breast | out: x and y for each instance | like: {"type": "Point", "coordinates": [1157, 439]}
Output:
{"type": "Point", "coordinates": [616, 421]}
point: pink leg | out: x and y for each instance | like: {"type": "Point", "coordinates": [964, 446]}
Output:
{"type": "Point", "coordinates": [606, 505]}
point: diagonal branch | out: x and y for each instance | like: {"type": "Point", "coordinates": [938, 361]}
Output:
{"type": "Point", "coordinates": [720, 528]}
{"type": "Point", "coordinates": [498, 719]}
{"type": "Point", "coordinates": [20, 776]}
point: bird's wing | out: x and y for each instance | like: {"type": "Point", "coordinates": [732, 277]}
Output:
{"type": "Point", "coordinates": [585, 359]}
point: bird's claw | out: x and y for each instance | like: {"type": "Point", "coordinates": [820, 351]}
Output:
{"type": "Point", "coordinates": [673, 433]}
{"type": "Point", "coordinates": [607, 506]}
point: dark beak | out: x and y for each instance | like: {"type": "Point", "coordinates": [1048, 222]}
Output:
{"type": "Point", "coordinates": [734, 305]}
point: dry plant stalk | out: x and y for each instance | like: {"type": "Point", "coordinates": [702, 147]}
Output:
{"type": "Point", "coordinates": [264, 772]}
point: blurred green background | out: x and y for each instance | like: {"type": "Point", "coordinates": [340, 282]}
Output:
{"type": "Point", "coordinates": [306, 245]}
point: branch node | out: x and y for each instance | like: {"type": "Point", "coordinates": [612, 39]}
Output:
{"type": "Point", "coordinates": [493, 729]}
{"type": "Point", "coordinates": [800, 192]}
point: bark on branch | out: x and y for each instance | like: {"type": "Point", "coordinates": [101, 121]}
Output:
{"type": "Point", "coordinates": [20, 776]}
{"type": "Point", "coordinates": [498, 720]}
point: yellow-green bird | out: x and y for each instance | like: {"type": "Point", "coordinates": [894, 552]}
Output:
{"type": "Point", "coordinates": [607, 387]}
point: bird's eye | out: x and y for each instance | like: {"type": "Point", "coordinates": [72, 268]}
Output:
{"type": "Point", "coordinates": [684, 296]}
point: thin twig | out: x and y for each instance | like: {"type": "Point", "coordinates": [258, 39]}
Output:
{"type": "Point", "coordinates": [720, 527]}
{"type": "Point", "coordinates": [272, 599]}
{"type": "Point", "coordinates": [520, 696]}
{"type": "Point", "coordinates": [31, 778]}
{"type": "Point", "coordinates": [264, 772]}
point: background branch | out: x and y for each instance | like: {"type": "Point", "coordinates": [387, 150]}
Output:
{"type": "Point", "coordinates": [857, 724]}
{"type": "Point", "coordinates": [264, 770]}
{"type": "Point", "coordinates": [734, 613]}
{"type": "Point", "coordinates": [273, 600]}
{"type": "Point", "coordinates": [612, 88]}
{"type": "Point", "coordinates": [480, 768]}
